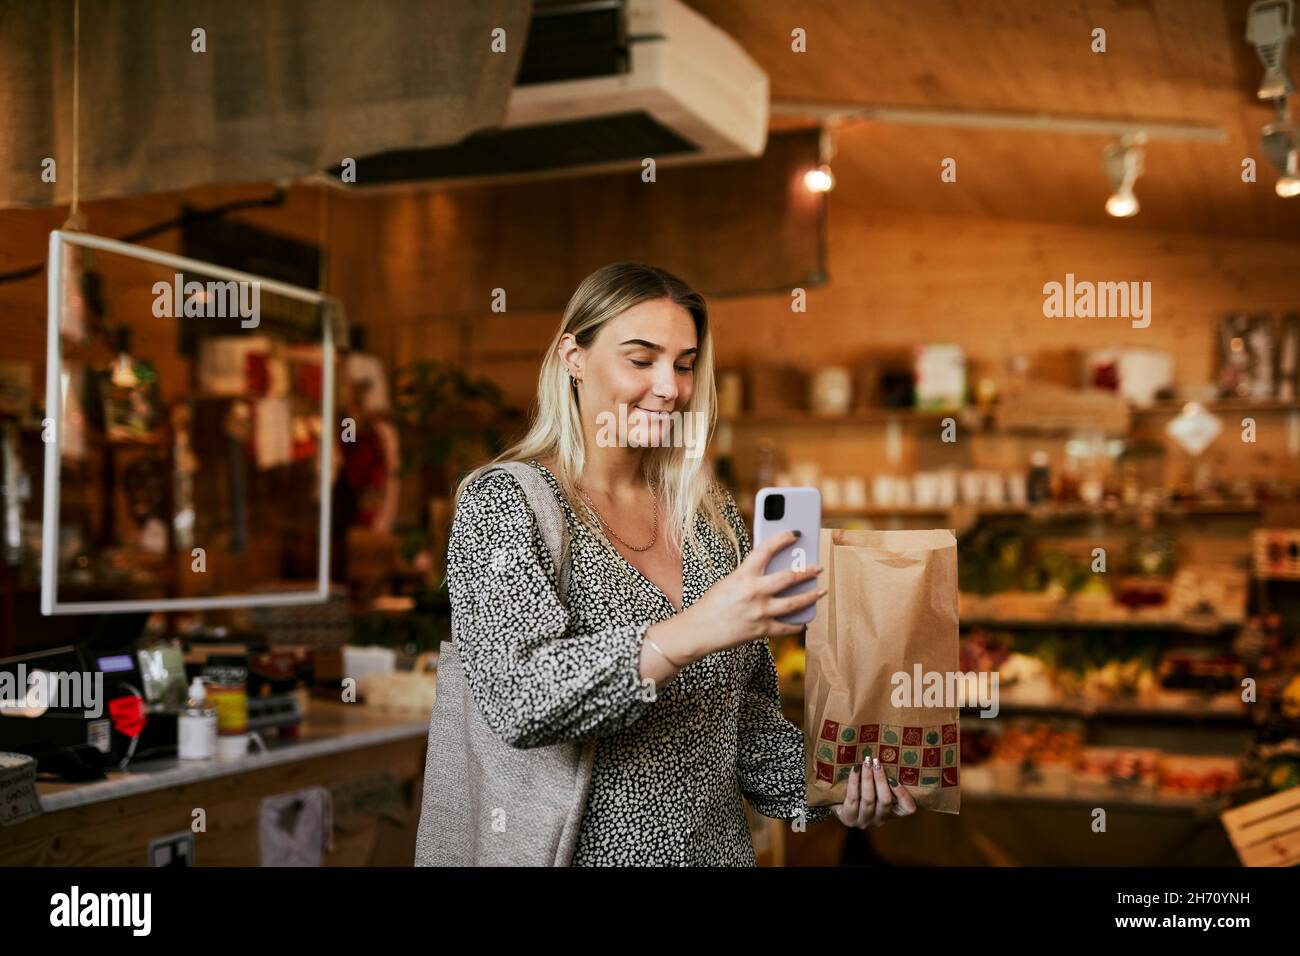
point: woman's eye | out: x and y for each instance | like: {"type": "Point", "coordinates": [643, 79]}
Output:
{"type": "Point", "coordinates": [640, 364]}
{"type": "Point", "coordinates": [688, 369]}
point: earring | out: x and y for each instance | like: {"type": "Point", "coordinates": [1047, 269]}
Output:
{"type": "Point", "coordinates": [574, 380]}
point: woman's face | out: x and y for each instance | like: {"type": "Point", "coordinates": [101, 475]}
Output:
{"type": "Point", "coordinates": [644, 360]}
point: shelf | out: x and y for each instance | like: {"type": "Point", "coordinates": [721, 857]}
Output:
{"type": "Point", "coordinates": [873, 416]}
{"type": "Point", "coordinates": [1051, 512]}
{"type": "Point", "coordinates": [1196, 804]}
{"type": "Point", "coordinates": [1183, 625]}
{"type": "Point", "coordinates": [1222, 406]}
{"type": "Point", "coordinates": [1085, 710]}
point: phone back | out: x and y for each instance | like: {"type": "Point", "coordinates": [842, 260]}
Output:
{"type": "Point", "coordinates": [802, 512]}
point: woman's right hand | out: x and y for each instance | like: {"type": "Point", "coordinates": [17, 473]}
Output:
{"type": "Point", "coordinates": [744, 605]}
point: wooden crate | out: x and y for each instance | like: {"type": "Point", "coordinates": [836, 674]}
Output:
{"type": "Point", "coordinates": [1266, 832]}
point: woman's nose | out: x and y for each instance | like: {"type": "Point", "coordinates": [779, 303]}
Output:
{"type": "Point", "coordinates": [665, 386]}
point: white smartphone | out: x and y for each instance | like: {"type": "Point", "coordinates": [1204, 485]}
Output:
{"type": "Point", "coordinates": [791, 509]}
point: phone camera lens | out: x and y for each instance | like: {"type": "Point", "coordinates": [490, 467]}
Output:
{"type": "Point", "coordinates": [774, 507]}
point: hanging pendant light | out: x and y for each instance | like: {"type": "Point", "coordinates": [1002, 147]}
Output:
{"type": "Point", "coordinates": [1123, 162]}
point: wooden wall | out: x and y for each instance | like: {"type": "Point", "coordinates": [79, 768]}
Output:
{"type": "Point", "coordinates": [895, 280]}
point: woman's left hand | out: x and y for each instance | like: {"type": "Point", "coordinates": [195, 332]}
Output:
{"type": "Point", "coordinates": [870, 800]}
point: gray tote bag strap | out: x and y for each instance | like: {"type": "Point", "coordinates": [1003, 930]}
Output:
{"type": "Point", "coordinates": [550, 517]}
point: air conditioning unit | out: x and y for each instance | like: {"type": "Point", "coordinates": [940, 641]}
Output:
{"type": "Point", "coordinates": [603, 86]}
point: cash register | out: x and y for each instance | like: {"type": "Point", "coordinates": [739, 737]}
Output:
{"type": "Point", "coordinates": [100, 718]}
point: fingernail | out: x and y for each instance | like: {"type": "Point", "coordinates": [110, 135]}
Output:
{"type": "Point", "coordinates": [797, 532]}
{"type": "Point", "coordinates": [875, 762]}
{"type": "Point", "coordinates": [823, 592]}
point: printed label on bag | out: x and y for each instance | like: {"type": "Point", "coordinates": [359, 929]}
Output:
{"type": "Point", "coordinates": [917, 756]}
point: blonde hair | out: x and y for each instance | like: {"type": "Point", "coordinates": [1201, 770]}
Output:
{"type": "Point", "coordinates": [556, 431]}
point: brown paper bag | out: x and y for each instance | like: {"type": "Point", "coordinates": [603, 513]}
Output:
{"type": "Point", "coordinates": [891, 610]}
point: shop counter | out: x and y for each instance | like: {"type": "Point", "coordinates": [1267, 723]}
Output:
{"type": "Point", "coordinates": [371, 762]}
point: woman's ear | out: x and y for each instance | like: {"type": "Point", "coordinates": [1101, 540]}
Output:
{"type": "Point", "coordinates": [571, 354]}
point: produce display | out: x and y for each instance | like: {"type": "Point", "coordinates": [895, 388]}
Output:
{"type": "Point", "coordinates": [1046, 668]}
{"type": "Point", "coordinates": [1005, 575]}
{"type": "Point", "coordinates": [1050, 757]}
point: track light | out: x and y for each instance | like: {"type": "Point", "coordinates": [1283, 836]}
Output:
{"type": "Point", "coordinates": [1270, 24]}
{"type": "Point", "coordinates": [821, 179]}
{"type": "Point", "coordinates": [1123, 163]}
{"type": "Point", "coordinates": [1281, 145]}
{"type": "Point", "coordinates": [1288, 186]}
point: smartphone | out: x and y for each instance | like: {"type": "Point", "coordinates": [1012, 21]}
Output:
{"type": "Point", "coordinates": [791, 509]}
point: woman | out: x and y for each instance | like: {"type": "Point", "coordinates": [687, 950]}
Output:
{"type": "Point", "coordinates": [663, 593]}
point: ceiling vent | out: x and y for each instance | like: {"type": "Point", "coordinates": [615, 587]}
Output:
{"type": "Point", "coordinates": [603, 86]}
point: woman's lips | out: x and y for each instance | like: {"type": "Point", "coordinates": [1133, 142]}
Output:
{"type": "Point", "coordinates": [653, 414]}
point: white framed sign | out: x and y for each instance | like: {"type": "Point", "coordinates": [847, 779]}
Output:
{"type": "Point", "coordinates": [233, 295]}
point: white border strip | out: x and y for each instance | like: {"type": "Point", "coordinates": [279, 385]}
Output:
{"type": "Point", "coordinates": [50, 604]}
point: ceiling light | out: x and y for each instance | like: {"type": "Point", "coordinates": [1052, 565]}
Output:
{"type": "Point", "coordinates": [1122, 204]}
{"type": "Point", "coordinates": [1269, 27]}
{"type": "Point", "coordinates": [1281, 144]}
{"type": "Point", "coordinates": [821, 179]}
{"type": "Point", "coordinates": [1123, 163]}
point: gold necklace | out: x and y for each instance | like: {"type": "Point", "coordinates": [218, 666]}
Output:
{"type": "Point", "coordinates": [654, 504]}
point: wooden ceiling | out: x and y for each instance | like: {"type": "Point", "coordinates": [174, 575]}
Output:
{"type": "Point", "coordinates": [1179, 61]}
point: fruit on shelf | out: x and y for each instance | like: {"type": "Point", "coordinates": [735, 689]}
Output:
{"type": "Point", "coordinates": [1138, 592]}
{"type": "Point", "coordinates": [1115, 679]}
{"type": "Point", "coordinates": [1207, 670]}
{"type": "Point", "coordinates": [1280, 772]}
{"type": "Point", "coordinates": [1290, 700]}
{"type": "Point", "coordinates": [983, 650]}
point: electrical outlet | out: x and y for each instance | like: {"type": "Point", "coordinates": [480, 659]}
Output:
{"type": "Point", "coordinates": [176, 849]}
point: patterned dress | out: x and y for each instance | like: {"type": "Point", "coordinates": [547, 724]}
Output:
{"type": "Point", "coordinates": [670, 771]}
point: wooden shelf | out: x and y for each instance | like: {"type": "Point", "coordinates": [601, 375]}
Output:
{"type": "Point", "coordinates": [1183, 626]}
{"type": "Point", "coordinates": [1223, 406]}
{"type": "Point", "coordinates": [1199, 805]}
{"type": "Point", "coordinates": [876, 416]}
{"type": "Point", "coordinates": [1050, 512]}
{"type": "Point", "coordinates": [1185, 713]}
{"type": "Point", "coordinates": [873, 416]}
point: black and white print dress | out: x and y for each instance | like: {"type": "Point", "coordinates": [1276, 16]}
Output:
{"type": "Point", "coordinates": [669, 772]}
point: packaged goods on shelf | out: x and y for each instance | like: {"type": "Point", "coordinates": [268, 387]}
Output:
{"type": "Point", "coordinates": [1186, 775]}
{"type": "Point", "coordinates": [1106, 770]}
{"type": "Point", "coordinates": [1037, 755]}
{"type": "Point", "coordinates": [1207, 670]}
{"type": "Point", "coordinates": [1048, 407]}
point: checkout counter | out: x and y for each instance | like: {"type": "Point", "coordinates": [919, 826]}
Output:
{"type": "Point", "coordinates": [370, 763]}
{"type": "Point", "coordinates": [112, 791]}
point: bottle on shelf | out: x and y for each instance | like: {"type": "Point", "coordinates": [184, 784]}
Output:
{"type": "Point", "coordinates": [1039, 485]}
{"type": "Point", "coordinates": [197, 730]}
